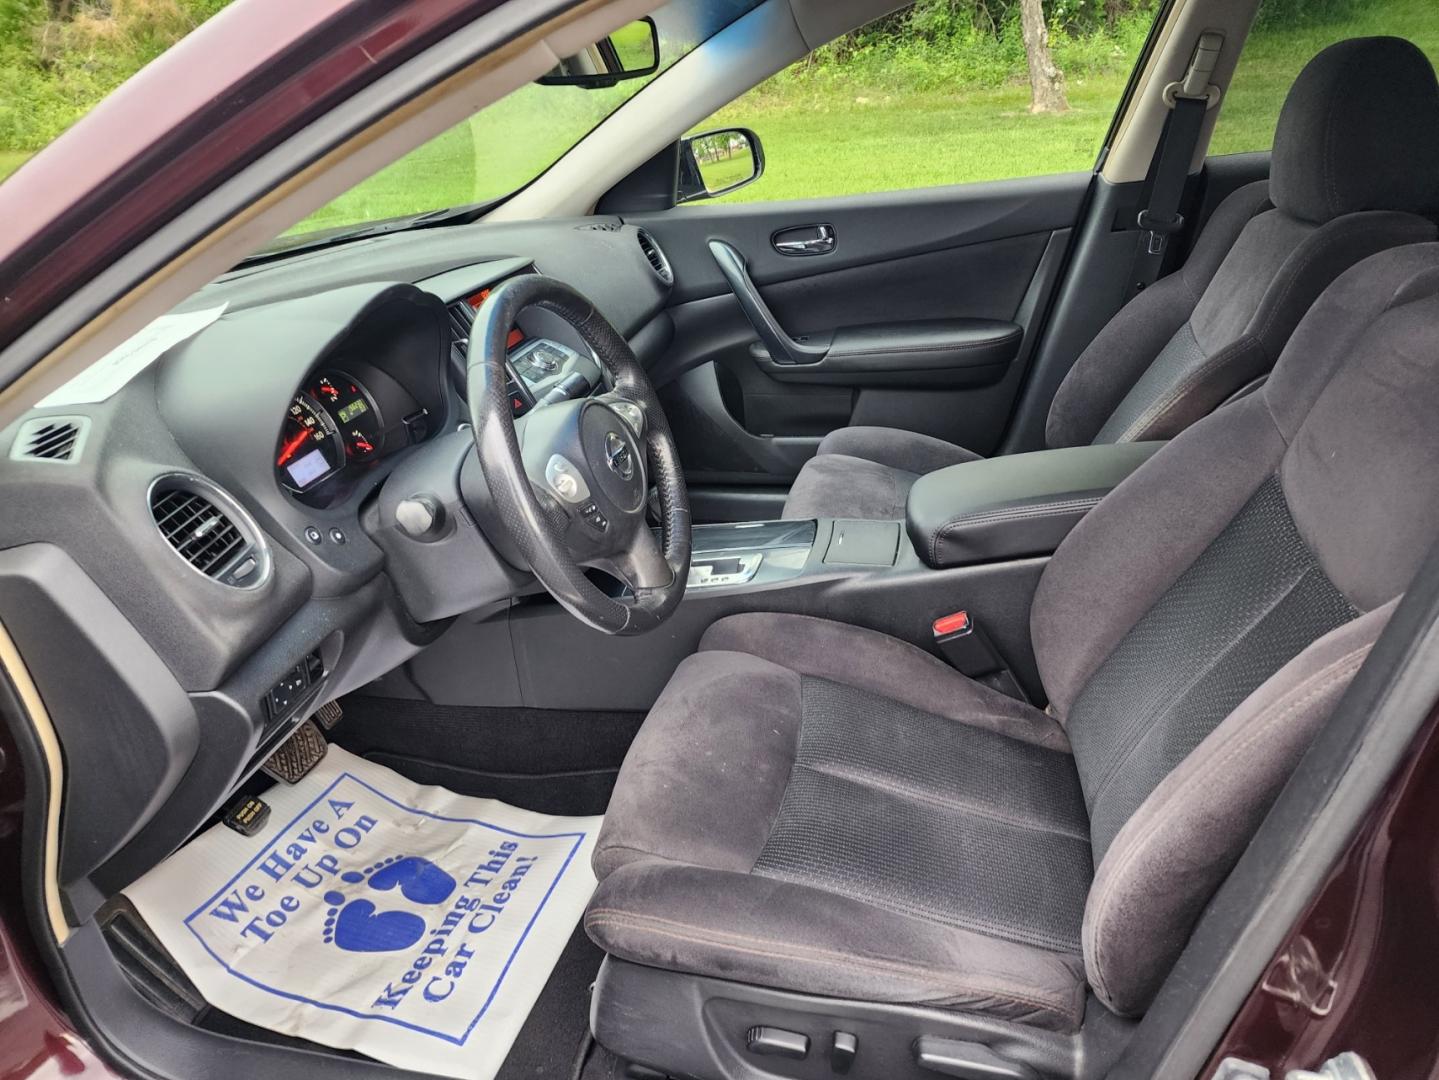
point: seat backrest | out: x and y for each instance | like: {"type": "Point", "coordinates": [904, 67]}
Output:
{"type": "Point", "coordinates": [1355, 162]}
{"type": "Point", "coordinates": [1197, 627]}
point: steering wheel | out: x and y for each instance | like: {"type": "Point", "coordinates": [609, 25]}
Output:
{"type": "Point", "coordinates": [570, 481]}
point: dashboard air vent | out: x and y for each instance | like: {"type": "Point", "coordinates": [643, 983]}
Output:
{"type": "Point", "coordinates": [601, 226]}
{"type": "Point", "coordinates": [51, 438]}
{"type": "Point", "coordinates": [656, 257]}
{"type": "Point", "coordinates": [462, 318]}
{"type": "Point", "coordinates": [208, 531]}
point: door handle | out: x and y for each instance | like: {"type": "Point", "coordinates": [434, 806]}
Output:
{"type": "Point", "coordinates": [782, 348]}
{"type": "Point", "coordinates": [819, 242]}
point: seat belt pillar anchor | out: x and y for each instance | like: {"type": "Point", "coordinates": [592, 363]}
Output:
{"type": "Point", "coordinates": [1196, 84]}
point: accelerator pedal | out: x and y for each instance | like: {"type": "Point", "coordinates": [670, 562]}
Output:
{"type": "Point", "coordinates": [298, 754]}
{"type": "Point", "coordinates": [329, 714]}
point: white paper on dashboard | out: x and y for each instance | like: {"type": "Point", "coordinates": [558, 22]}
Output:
{"type": "Point", "coordinates": [370, 913]}
{"type": "Point", "coordinates": [121, 364]}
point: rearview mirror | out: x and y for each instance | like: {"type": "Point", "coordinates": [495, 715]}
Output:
{"type": "Point", "coordinates": [629, 53]}
{"type": "Point", "coordinates": [718, 162]}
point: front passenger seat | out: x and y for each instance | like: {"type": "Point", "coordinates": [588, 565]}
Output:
{"type": "Point", "coordinates": [1356, 160]}
{"type": "Point", "coordinates": [822, 830]}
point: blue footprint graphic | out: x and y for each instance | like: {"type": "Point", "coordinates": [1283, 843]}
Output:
{"type": "Point", "coordinates": [418, 879]}
{"type": "Point", "coordinates": [358, 926]}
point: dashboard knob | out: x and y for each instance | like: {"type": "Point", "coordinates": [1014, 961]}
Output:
{"type": "Point", "coordinates": [420, 517]}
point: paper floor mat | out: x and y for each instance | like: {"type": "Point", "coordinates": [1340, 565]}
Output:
{"type": "Point", "coordinates": [409, 923]}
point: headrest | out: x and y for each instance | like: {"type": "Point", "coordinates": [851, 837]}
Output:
{"type": "Point", "coordinates": [1359, 131]}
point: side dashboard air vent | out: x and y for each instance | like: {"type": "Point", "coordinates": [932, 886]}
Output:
{"type": "Point", "coordinates": [51, 438]}
{"type": "Point", "coordinates": [462, 318]}
{"type": "Point", "coordinates": [656, 257]}
{"type": "Point", "coordinates": [209, 531]}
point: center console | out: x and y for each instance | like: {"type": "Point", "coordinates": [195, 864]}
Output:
{"type": "Point", "coordinates": [976, 539]}
{"type": "Point", "coordinates": [765, 552]}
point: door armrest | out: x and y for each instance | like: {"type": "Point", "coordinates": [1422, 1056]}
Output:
{"type": "Point", "coordinates": [940, 352]}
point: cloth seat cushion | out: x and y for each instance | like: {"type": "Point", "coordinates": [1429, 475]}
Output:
{"type": "Point", "coordinates": [866, 472]}
{"type": "Point", "coordinates": [818, 807]}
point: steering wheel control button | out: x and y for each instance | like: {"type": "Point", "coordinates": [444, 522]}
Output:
{"type": "Point", "coordinates": [777, 1042]}
{"type": "Point", "coordinates": [338, 536]}
{"type": "Point", "coordinates": [596, 520]}
{"type": "Point", "coordinates": [565, 480]}
{"type": "Point", "coordinates": [314, 536]}
{"type": "Point", "coordinates": [420, 517]}
{"type": "Point", "coordinates": [630, 413]}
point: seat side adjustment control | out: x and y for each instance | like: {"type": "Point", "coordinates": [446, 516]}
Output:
{"type": "Point", "coordinates": [842, 1052]}
{"type": "Point", "coordinates": [776, 1042]}
{"type": "Point", "coordinates": [967, 1060]}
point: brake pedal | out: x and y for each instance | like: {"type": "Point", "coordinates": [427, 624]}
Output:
{"type": "Point", "coordinates": [298, 754]}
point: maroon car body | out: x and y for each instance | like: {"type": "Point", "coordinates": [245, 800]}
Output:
{"type": "Point", "coordinates": [250, 77]}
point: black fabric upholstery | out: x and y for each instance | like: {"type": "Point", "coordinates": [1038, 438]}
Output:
{"type": "Point", "coordinates": [1355, 171]}
{"type": "Point", "coordinates": [1358, 131]}
{"type": "Point", "coordinates": [780, 835]}
{"type": "Point", "coordinates": [1120, 353]}
{"type": "Point", "coordinates": [1253, 601]}
{"type": "Point", "coordinates": [866, 472]}
{"type": "Point", "coordinates": [979, 831]}
{"type": "Point", "coordinates": [841, 818]}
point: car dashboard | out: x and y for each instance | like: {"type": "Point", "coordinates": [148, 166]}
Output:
{"type": "Point", "coordinates": [201, 565]}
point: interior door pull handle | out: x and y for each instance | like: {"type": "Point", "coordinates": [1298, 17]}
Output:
{"type": "Point", "coordinates": [782, 348]}
{"type": "Point", "coordinates": [821, 243]}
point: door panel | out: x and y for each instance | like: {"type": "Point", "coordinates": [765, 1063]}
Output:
{"type": "Point", "coordinates": [918, 314]}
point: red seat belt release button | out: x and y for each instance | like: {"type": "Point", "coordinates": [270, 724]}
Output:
{"type": "Point", "coordinates": [958, 623]}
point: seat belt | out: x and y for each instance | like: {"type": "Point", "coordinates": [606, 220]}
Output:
{"type": "Point", "coordinates": [1169, 170]}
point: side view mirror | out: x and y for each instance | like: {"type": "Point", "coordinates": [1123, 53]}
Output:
{"type": "Point", "coordinates": [629, 53]}
{"type": "Point", "coordinates": [718, 162]}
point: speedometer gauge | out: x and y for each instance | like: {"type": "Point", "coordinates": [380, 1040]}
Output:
{"type": "Point", "coordinates": [311, 447]}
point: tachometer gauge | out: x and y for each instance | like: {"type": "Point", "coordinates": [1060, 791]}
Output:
{"type": "Point", "coordinates": [311, 447]}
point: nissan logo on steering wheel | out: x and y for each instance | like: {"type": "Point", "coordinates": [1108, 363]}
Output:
{"type": "Point", "coordinates": [618, 457]}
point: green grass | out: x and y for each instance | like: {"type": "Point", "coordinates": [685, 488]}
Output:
{"type": "Point", "coordinates": [826, 137]}
{"type": "Point", "coordinates": [842, 142]}
{"type": "Point", "coordinates": [10, 160]}
{"type": "Point", "coordinates": [1272, 60]}
{"type": "Point", "coordinates": [877, 124]}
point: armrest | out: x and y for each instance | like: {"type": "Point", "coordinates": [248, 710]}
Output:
{"type": "Point", "coordinates": [942, 352]}
{"type": "Point", "coordinates": [1016, 506]}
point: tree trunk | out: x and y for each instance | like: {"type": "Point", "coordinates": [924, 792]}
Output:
{"type": "Point", "coordinates": [1046, 82]}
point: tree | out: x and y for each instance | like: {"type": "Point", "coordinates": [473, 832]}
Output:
{"type": "Point", "coordinates": [1046, 82]}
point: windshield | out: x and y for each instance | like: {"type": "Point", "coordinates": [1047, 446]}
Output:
{"type": "Point", "coordinates": [59, 60]}
{"type": "Point", "coordinates": [506, 145]}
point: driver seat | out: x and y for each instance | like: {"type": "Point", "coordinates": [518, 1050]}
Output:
{"type": "Point", "coordinates": [818, 823]}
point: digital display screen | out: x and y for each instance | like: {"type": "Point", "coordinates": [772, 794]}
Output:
{"type": "Point", "coordinates": [352, 410]}
{"type": "Point", "coordinates": [306, 470]}
{"type": "Point", "coordinates": [516, 336]}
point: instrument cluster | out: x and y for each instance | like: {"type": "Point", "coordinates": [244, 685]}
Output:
{"type": "Point", "coordinates": [337, 425]}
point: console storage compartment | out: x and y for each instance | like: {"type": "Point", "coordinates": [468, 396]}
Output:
{"type": "Point", "coordinates": [1015, 506]}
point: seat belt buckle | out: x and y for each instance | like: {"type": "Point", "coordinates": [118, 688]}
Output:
{"type": "Point", "coordinates": [965, 646]}
{"type": "Point", "coordinates": [969, 651]}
